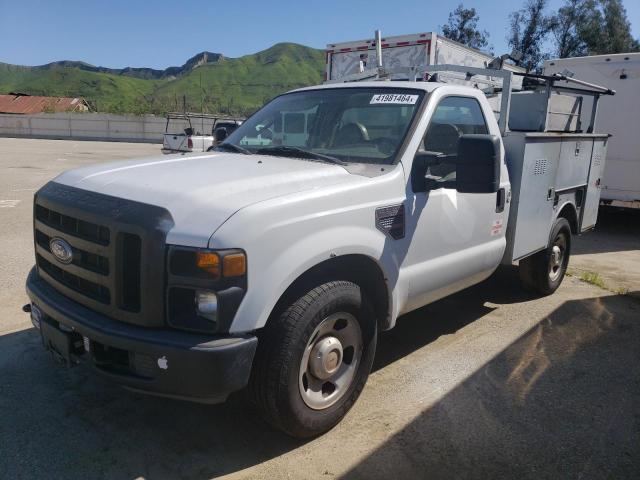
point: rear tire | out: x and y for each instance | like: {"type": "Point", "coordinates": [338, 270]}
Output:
{"type": "Point", "coordinates": [545, 270]}
{"type": "Point", "coordinates": [314, 359]}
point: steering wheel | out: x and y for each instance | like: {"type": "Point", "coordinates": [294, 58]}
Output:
{"type": "Point", "coordinates": [351, 133]}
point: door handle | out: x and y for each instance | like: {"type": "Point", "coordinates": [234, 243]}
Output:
{"type": "Point", "coordinates": [501, 200]}
{"type": "Point", "coordinates": [550, 193]}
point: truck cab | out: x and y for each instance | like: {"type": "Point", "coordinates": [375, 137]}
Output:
{"type": "Point", "coordinates": [275, 264]}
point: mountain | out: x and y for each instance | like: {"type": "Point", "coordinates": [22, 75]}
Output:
{"type": "Point", "coordinates": [202, 58]}
{"type": "Point", "coordinates": [207, 81]}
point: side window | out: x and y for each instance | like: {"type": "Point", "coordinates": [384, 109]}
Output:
{"type": "Point", "coordinates": [453, 117]}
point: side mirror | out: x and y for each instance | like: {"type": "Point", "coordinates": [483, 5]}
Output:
{"type": "Point", "coordinates": [478, 164]}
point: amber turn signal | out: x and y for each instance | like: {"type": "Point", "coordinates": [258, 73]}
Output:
{"type": "Point", "coordinates": [234, 265]}
{"type": "Point", "coordinates": [209, 262]}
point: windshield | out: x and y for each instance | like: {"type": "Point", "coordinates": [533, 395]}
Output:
{"type": "Point", "coordinates": [361, 125]}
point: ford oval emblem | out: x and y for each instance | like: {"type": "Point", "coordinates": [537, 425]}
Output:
{"type": "Point", "coordinates": [61, 250]}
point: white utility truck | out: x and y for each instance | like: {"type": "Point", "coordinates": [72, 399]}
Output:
{"type": "Point", "coordinates": [619, 116]}
{"type": "Point", "coordinates": [187, 132]}
{"type": "Point", "coordinates": [275, 266]}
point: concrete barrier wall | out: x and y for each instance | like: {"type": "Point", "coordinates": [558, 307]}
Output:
{"type": "Point", "coordinates": [85, 126]}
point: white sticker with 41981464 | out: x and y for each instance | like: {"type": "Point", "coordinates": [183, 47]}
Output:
{"type": "Point", "coordinates": [397, 98]}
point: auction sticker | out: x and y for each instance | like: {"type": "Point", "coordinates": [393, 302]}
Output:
{"type": "Point", "coordinates": [395, 98]}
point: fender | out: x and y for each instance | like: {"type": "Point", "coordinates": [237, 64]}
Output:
{"type": "Point", "coordinates": [286, 236]}
{"type": "Point", "coordinates": [568, 203]}
{"type": "Point", "coordinates": [277, 269]}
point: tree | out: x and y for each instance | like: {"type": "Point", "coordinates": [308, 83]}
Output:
{"type": "Point", "coordinates": [592, 27]}
{"type": "Point", "coordinates": [616, 31]}
{"type": "Point", "coordinates": [463, 28]}
{"type": "Point", "coordinates": [529, 27]}
{"type": "Point", "coordinates": [567, 28]}
{"type": "Point", "coordinates": [590, 30]}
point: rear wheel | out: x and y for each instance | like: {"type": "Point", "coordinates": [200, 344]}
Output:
{"type": "Point", "coordinates": [314, 359]}
{"type": "Point", "coordinates": [545, 270]}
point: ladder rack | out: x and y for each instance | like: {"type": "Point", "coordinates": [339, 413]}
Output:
{"type": "Point", "coordinates": [497, 81]}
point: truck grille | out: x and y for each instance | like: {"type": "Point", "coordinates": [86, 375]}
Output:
{"type": "Point", "coordinates": [82, 258]}
{"type": "Point", "coordinates": [109, 237]}
{"type": "Point", "coordinates": [73, 226]}
{"type": "Point", "coordinates": [79, 284]}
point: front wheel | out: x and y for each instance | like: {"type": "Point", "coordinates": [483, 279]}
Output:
{"type": "Point", "coordinates": [314, 359]}
{"type": "Point", "coordinates": [545, 270]}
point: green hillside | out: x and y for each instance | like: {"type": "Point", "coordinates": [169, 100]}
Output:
{"type": "Point", "coordinates": [228, 85]}
{"type": "Point", "coordinates": [105, 92]}
{"type": "Point", "coordinates": [243, 84]}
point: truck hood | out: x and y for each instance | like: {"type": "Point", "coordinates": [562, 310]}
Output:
{"type": "Point", "coordinates": [202, 191]}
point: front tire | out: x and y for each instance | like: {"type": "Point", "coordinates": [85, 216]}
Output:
{"type": "Point", "coordinates": [314, 359]}
{"type": "Point", "coordinates": [545, 270]}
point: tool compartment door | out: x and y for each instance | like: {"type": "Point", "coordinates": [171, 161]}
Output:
{"type": "Point", "coordinates": [594, 187]}
{"type": "Point", "coordinates": [574, 163]}
{"type": "Point", "coordinates": [536, 196]}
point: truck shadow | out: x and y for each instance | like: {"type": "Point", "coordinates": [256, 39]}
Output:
{"type": "Point", "coordinates": [559, 402]}
{"type": "Point", "coordinates": [69, 424]}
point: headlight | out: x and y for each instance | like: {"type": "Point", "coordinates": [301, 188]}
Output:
{"type": "Point", "coordinates": [204, 288]}
{"type": "Point", "coordinates": [207, 304]}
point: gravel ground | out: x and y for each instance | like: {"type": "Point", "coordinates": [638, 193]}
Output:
{"type": "Point", "coordinates": [612, 251]}
{"type": "Point", "coordinates": [488, 383]}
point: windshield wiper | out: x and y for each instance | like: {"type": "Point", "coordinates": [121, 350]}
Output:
{"type": "Point", "coordinates": [298, 152]}
{"type": "Point", "coordinates": [232, 148]}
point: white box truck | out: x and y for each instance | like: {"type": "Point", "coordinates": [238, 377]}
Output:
{"type": "Point", "coordinates": [418, 50]}
{"type": "Point", "coordinates": [275, 265]}
{"type": "Point", "coordinates": [619, 116]}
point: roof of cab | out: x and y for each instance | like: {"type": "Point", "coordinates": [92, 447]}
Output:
{"type": "Point", "coordinates": [426, 86]}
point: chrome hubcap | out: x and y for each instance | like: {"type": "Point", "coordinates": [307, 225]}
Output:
{"type": "Point", "coordinates": [325, 358]}
{"type": "Point", "coordinates": [330, 360]}
{"type": "Point", "coordinates": [556, 259]}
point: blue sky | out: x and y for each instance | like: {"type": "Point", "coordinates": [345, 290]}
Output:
{"type": "Point", "coordinates": [163, 33]}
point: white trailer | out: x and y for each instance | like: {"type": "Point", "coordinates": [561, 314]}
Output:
{"type": "Point", "coordinates": [619, 116]}
{"type": "Point", "coordinates": [419, 50]}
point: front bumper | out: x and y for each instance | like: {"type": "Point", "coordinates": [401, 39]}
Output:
{"type": "Point", "coordinates": [165, 362]}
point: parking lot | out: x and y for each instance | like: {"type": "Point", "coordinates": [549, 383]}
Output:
{"type": "Point", "coordinates": [489, 383]}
